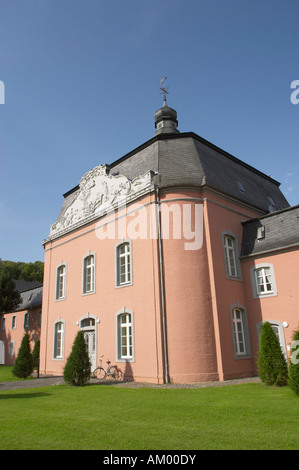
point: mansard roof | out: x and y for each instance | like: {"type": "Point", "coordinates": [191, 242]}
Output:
{"type": "Point", "coordinates": [178, 160]}
{"type": "Point", "coordinates": [276, 231]}
{"type": "Point", "coordinates": [186, 159]}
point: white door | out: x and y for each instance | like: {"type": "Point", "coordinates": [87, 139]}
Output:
{"type": "Point", "coordinates": [90, 340]}
{"type": "Point", "coordinates": [2, 353]}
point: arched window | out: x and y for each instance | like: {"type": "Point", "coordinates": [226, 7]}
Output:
{"type": "Point", "coordinates": [89, 274]}
{"type": "Point", "coordinates": [231, 256]}
{"type": "Point", "coordinates": [240, 330]}
{"type": "Point", "coordinates": [124, 333]}
{"type": "Point", "coordinates": [263, 280]}
{"type": "Point", "coordinates": [61, 282]}
{"type": "Point", "coordinates": [124, 264]}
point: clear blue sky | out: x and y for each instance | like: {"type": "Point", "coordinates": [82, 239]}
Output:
{"type": "Point", "coordinates": [82, 84]}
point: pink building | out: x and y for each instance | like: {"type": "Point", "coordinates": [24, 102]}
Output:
{"type": "Point", "coordinates": [25, 319]}
{"type": "Point", "coordinates": [169, 259]}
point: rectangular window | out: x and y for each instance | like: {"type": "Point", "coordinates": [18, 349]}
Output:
{"type": "Point", "coordinates": [125, 336]}
{"type": "Point", "coordinates": [58, 340]}
{"type": "Point", "coordinates": [14, 322]}
{"type": "Point", "coordinates": [263, 281]}
{"type": "Point", "coordinates": [88, 274]}
{"type": "Point", "coordinates": [60, 282]}
{"type": "Point", "coordinates": [3, 324]}
{"type": "Point", "coordinates": [26, 320]}
{"type": "Point", "coordinates": [123, 268]}
{"type": "Point", "coordinates": [230, 256]}
{"type": "Point", "coordinates": [238, 331]}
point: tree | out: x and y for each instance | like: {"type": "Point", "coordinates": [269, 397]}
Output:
{"type": "Point", "coordinates": [9, 297]}
{"type": "Point", "coordinates": [35, 354]}
{"type": "Point", "coordinates": [294, 364]}
{"type": "Point", "coordinates": [272, 365]}
{"type": "Point", "coordinates": [25, 271]}
{"type": "Point", "coordinates": [77, 368]}
{"type": "Point", "coordinates": [23, 366]}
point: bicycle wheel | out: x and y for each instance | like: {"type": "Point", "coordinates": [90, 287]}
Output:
{"type": "Point", "coordinates": [99, 373]}
{"type": "Point", "coordinates": [114, 372]}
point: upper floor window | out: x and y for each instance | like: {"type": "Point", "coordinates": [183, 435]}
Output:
{"type": "Point", "coordinates": [26, 320]}
{"type": "Point", "coordinates": [123, 264]}
{"type": "Point", "coordinates": [263, 281]}
{"type": "Point", "coordinates": [3, 324]}
{"type": "Point", "coordinates": [13, 322]}
{"type": "Point", "coordinates": [89, 274]}
{"type": "Point", "coordinates": [231, 256]}
{"type": "Point", "coordinates": [61, 282]}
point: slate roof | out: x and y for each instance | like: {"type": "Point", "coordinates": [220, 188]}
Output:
{"type": "Point", "coordinates": [31, 294]}
{"type": "Point", "coordinates": [189, 160]}
{"type": "Point", "coordinates": [279, 230]}
{"type": "Point", "coordinates": [186, 159]}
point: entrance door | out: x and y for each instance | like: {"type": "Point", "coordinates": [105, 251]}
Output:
{"type": "Point", "coordinates": [90, 340]}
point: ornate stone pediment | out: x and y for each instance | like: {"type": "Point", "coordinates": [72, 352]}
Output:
{"type": "Point", "coordinates": [99, 192]}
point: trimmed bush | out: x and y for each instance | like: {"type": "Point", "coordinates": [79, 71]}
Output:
{"type": "Point", "coordinates": [294, 364]}
{"type": "Point", "coordinates": [77, 368]}
{"type": "Point", "coordinates": [23, 366]}
{"type": "Point", "coordinates": [272, 365]}
{"type": "Point", "coordinates": [35, 354]}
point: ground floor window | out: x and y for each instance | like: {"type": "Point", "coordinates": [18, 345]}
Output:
{"type": "Point", "coordinates": [125, 346]}
{"type": "Point", "coordinates": [58, 340]}
{"type": "Point", "coordinates": [240, 332]}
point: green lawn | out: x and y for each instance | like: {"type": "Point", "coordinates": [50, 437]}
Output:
{"type": "Point", "coordinates": [250, 416]}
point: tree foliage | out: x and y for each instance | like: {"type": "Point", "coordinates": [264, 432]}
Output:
{"type": "Point", "coordinates": [25, 271]}
{"type": "Point", "coordinates": [9, 297]}
{"type": "Point", "coordinates": [272, 365]}
{"type": "Point", "coordinates": [23, 366]}
{"type": "Point", "coordinates": [77, 368]}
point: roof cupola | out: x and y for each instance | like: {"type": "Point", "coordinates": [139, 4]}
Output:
{"type": "Point", "coordinates": [166, 117]}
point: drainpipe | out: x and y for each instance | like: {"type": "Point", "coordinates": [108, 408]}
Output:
{"type": "Point", "coordinates": [162, 289]}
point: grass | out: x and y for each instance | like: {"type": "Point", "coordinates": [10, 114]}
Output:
{"type": "Point", "coordinates": [6, 374]}
{"type": "Point", "coordinates": [249, 416]}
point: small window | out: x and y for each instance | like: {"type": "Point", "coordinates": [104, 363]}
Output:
{"type": "Point", "coordinates": [58, 340]}
{"type": "Point", "coordinates": [241, 187]}
{"type": "Point", "coordinates": [125, 336]}
{"type": "Point", "coordinates": [14, 322]}
{"type": "Point", "coordinates": [12, 348]}
{"type": "Point", "coordinates": [26, 320]}
{"type": "Point", "coordinates": [3, 324]}
{"type": "Point", "coordinates": [123, 264]}
{"type": "Point", "coordinates": [260, 233]}
{"type": "Point", "coordinates": [87, 323]}
{"type": "Point", "coordinates": [89, 274]}
{"type": "Point", "coordinates": [60, 282]}
{"type": "Point", "coordinates": [263, 281]}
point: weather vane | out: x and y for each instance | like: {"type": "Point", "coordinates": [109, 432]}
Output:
{"type": "Point", "coordinates": [163, 89]}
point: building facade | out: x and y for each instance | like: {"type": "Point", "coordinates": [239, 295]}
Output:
{"type": "Point", "coordinates": [156, 258]}
{"type": "Point", "coordinates": [26, 318]}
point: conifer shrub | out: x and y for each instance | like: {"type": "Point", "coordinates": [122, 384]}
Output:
{"type": "Point", "coordinates": [294, 364]}
{"type": "Point", "coordinates": [23, 366]}
{"type": "Point", "coordinates": [77, 368]}
{"type": "Point", "coordinates": [272, 365]}
{"type": "Point", "coordinates": [35, 354]}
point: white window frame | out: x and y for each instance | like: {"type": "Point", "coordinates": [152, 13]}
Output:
{"type": "Point", "coordinates": [86, 268]}
{"type": "Point", "coordinates": [259, 272]}
{"type": "Point", "coordinates": [14, 322]}
{"type": "Point", "coordinates": [26, 320]}
{"type": "Point", "coordinates": [3, 321]}
{"type": "Point", "coordinates": [240, 331]}
{"type": "Point", "coordinates": [61, 282]}
{"type": "Point", "coordinates": [125, 339]}
{"type": "Point", "coordinates": [12, 348]}
{"type": "Point", "coordinates": [127, 257]}
{"type": "Point", "coordinates": [58, 354]}
{"type": "Point", "coordinates": [232, 264]}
